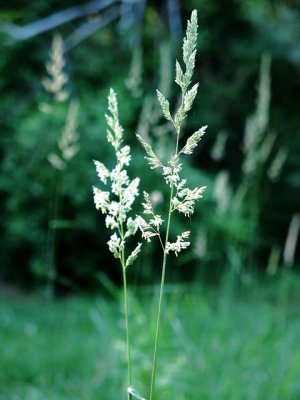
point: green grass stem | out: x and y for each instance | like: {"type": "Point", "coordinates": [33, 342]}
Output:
{"type": "Point", "coordinates": [127, 332]}
{"type": "Point", "coordinates": [161, 292]}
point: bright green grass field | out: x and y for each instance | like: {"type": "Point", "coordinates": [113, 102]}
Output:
{"type": "Point", "coordinates": [213, 346]}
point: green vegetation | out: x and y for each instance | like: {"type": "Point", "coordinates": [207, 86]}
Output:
{"type": "Point", "coordinates": [41, 241]}
{"type": "Point", "coordinates": [213, 345]}
{"type": "Point", "coordinates": [230, 325]}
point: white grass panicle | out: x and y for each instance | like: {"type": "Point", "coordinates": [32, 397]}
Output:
{"type": "Point", "coordinates": [118, 193]}
{"type": "Point", "coordinates": [182, 199]}
{"type": "Point", "coordinates": [55, 85]}
{"type": "Point", "coordinates": [115, 200]}
{"type": "Point", "coordinates": [258, 139]}
{"type": "Point", "coordinates": [56, 81]}
{"type": "Point", "coordinates": [68, 145]}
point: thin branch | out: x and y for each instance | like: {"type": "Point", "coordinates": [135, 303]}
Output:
{"type": "Point", "coordinates": [54, 20]}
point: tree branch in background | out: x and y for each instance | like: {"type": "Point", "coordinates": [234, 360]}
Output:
{"type": "Point", "coordinates": [54, 20]}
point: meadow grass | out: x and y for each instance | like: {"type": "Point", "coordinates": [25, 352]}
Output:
{"type": "Point", "coordinates": [213, 346]}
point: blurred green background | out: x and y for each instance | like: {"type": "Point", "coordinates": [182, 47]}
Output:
{"type": "Point", "coordinates": [244, 255]}
{"type": "Point", "coordinates": [243, 222]}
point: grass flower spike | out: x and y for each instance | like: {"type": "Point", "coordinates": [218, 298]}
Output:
{"type": "Point", "coordinates": [182, 198]}
{"type": "Point", "coordinates": [68, 145]}
{"type": "Point", "coordinates": [116, 203]}
{"type": "Point", "coordinates": [56, 81]}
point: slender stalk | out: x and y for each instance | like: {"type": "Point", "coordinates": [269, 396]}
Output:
{"type": "Point", "coordinates": [186, 197]}
{"type": "Point", "coordinates": [123, 263]}
{"type": "Point", "coordinates": [127, 332]}
{"type": "Point", "coordinates": [124, 191]}
{"type": "Point", "coordinates": [161, 292]}
{"type": "Point", "coordinates": [51, 268]}
{"type": "Point", "coordinates": [162, 283]}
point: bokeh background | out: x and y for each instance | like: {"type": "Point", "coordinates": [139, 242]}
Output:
{"type": "Point", "coordinates": [58, 61]}
{"type": "Point", "coordinates": [132, 47]}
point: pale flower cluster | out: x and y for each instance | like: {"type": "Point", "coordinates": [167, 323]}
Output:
{"type": "Point", "coordinates": [182, 199]}
{"type": "Point", "coordinates": [56, 81]}
{"type": "Point", "coordinates": [149, 228]}
{"type": "Point", "coordinates": [68, 145]}
{"type": "Point", "coordinates": [222, 192]}
{"type": "Point", "coordinates": [180, 243]}
{"type": "Point", "coordinates": [54, 84]}
{"type": "Point", "coordinates": [117, 201]}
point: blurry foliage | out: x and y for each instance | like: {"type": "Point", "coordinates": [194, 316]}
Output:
{"type": "Point", "coordinates": [74, 348]}
{"type": "Point", "coordinates": [233, 36]}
